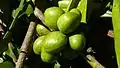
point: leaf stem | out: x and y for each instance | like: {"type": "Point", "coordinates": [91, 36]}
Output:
{"type": "Point", "coordinates": [72, 4]}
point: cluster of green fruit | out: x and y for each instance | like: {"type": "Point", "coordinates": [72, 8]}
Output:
{"type": "Point", "coordinates": [55, 38]}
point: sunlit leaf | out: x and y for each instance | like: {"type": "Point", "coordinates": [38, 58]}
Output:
{"type": "Point", "coordinates": [57, 65]}
{"type": "Point", "coordinates": [82, 6]}
{"type": "Point", "coordinates": [8, 34]}
{"type": "Point", "coordinates": [29, 10]}
{"type": "Point", "coordinates": [10, 52]}
{"type": "Point", "coordinates": [116, 27]}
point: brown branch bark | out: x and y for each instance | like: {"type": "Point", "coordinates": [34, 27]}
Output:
{"type": "Point", "coordinates": [28, 38]}
{"type": "Point", "coordinates": [38, 13]}
{"type": "Point", "coordinates": [25, 45]}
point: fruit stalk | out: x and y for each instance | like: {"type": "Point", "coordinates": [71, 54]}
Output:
{"type": "Point", "coordinates": [116, 28]}
{"type": "Point", "coordinates": [72, 4]}
{"type": "Point", "coordinates": [26, 45]}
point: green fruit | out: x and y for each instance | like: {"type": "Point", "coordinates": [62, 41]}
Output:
{"type": "Point", "coordinates": [37, 45]}
{"type": "Point", "coordinates": [47, 57]}
{"type": "Point", "coordinates": [75, 11]}
{"type": "Point", "coordinates": [51, 16]}
{"type": "Point", "coordinates": [41, 30]}
{"type": "Point", "coordinates": [77, 42]}
{"type": "Point", "coordinates": [54, 41]}
{"type": "Point", "coordinates": [68, 22]}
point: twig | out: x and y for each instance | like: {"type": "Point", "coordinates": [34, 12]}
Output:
{"type": "Point", "coordinates": [25, 45]}
{"type": "Point", "coordinates": [93, 62]}
{"type": "Point", "coordinates": [38, 13]}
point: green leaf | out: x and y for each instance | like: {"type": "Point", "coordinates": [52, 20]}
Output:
{"type": "Point", "coordinates": [107, 14]}
{"type": "Point", "coordinates": [29, 10]}
{"type": "Point", "coordinates": [8, 34]}
{"type": "Point", "coordinates": [6, 64]}
{"type": "Point", "coordinates": [17, 11]}
{"type": "Point", "coordinates": [10, 52]}
{"type": "Point", "coordinates": [116, 27]}
{"type": "Point", "coordinates": [57, 65]}
{"type": "Point", "coordinates": [82, 6]}
{"type": "Point", "coordinates": [14, 13]}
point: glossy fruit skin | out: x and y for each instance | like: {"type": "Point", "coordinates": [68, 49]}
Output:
{"type": "Point", "coordinates": [75, 10]}
{"type": "Point", "coordinates": [68, 22]}
{"type": "Point", "coordinates": [77, 42]}
{"type": "Point", "coordinates": [41, 30]}
{"type": "Point", "coordinates": [47, 57]}
{"type": "Point", "coordinates": [54, 42]}
{"type": "Point", "coordinates": [51, 16]}
{"type": "Point", "coordinates": [38, 44]}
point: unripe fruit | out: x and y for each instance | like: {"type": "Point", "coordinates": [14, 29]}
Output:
{"type": "Point", "coordinates": [41, 30]}
{"type": "Point", "coordinates": [77, 42]}
{"type": "Point", "coordinates": [54, 41]}
{"type": "Point", "coordinates": [51, 16]}
{"type": "Point", "coordinates": [68, 22]}
{"type": "Point", "coordinates": [47, 57]}
{"type": "Point", "coordinates": [37, 45]}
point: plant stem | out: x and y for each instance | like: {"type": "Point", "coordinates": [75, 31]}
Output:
{"type": "Point", "coordinates": [72, 4]}
{"type": "Point", "coordinates": [8, 35]}
{"type": "Point", "coordinates": [25, 45]}
{"type": "Point", "coordinates": [15, 19]}
{"type": "Point", "coordinates": [38, 13]}
{"type": "Point", "coordinates": [92, 61]}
